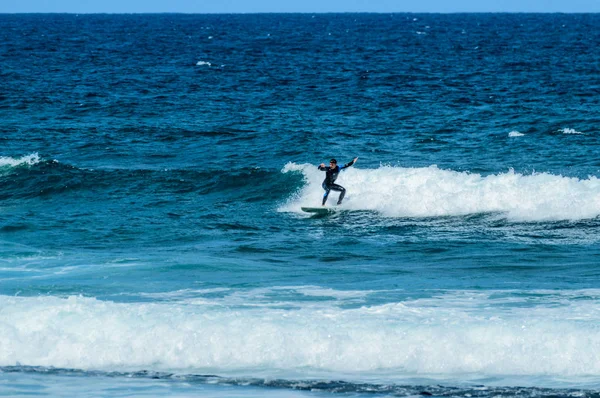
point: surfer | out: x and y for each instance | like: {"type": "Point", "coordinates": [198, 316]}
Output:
{"type": "Point", "coordinates": [331, 175]}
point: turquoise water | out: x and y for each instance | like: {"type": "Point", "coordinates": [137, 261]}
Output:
{"type": "Point", "coordinates": [153, 168]}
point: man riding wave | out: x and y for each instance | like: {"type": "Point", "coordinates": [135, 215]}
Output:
{"type": "Point", "coordinates": [331, 175]}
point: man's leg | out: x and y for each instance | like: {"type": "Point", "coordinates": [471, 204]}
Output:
{"type": "Point", "coordinates": [342, 191]}
{"type": "Point", "coordinates": [326, 194]}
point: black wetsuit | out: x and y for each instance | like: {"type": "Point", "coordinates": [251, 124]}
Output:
{"type": "Point", "coordinates": [329, 182]}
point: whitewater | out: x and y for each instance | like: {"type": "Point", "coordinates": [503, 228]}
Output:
{"type": "Point", "coordinates": [433, 192]}
{"type": "Point", "coordinates": [451, 334]}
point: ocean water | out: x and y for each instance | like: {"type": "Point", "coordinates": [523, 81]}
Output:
{"type": "Point", "coordinates": [152, 170]}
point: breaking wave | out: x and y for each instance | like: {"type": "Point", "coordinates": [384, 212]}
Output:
{"type": "Point", "coordinates": [433, 192]}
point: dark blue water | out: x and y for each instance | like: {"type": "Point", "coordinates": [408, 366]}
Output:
{"type": "Point", "coordinates": [152, 170]}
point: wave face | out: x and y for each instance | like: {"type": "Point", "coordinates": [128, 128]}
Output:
{"type": "Point", "coordinates": [32, 175]}
{"type": "Point", "coordinates": [432, 192]}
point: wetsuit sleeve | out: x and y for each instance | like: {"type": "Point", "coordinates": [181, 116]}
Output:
{"type": "Point", "coordinates": [347, 165]}
{"type": "Point", "coordinates": [322, 168]}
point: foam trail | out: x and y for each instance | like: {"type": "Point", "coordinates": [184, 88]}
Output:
{"type": "Point", "coordinates": [454, 334]}
{"type": "Point", "coordinates": [29, 160]}
{"type": "Point", "coordinates": [433, 192]}
{"type": "Point", "coordinates": [571, 131]}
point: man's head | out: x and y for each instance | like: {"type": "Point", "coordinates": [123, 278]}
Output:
{"type": "Point", "coordinates": [332, 163]}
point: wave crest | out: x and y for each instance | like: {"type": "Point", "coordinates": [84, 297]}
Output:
{"type": "Point", "coordinates": [433, 192]}
{"type": "Point", "coordinates": [29, 160]}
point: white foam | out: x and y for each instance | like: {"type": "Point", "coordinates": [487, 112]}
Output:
{"type": "Point", "coordinates": [433, 192]}
{"type": "Point", "coordinates": [317, 291]}
{"type": "Point", "coordinates": [182, 294]}
{"type": "Point", "coordinates": [259, 297]}
{"type": "Point", "coordinates": [515, 134]}
{"type": "Point", "coordinates": [29, 160]}
{"type": "Point", "coordinates": [451, 334]}
{"type": "Point", "coordinates": [570, 131]}
{"type": "Point", "coordinates": [203, 63]}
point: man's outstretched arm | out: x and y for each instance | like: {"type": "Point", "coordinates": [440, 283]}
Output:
{"type": "Point", "coordinates": [349, 164]}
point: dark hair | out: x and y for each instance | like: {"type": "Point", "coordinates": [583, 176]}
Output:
{"type": "Point", "coordinates": [333, 161]}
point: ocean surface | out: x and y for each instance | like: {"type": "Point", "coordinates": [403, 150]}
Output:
{"type": "Point", "coordinates": [152, 170]}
